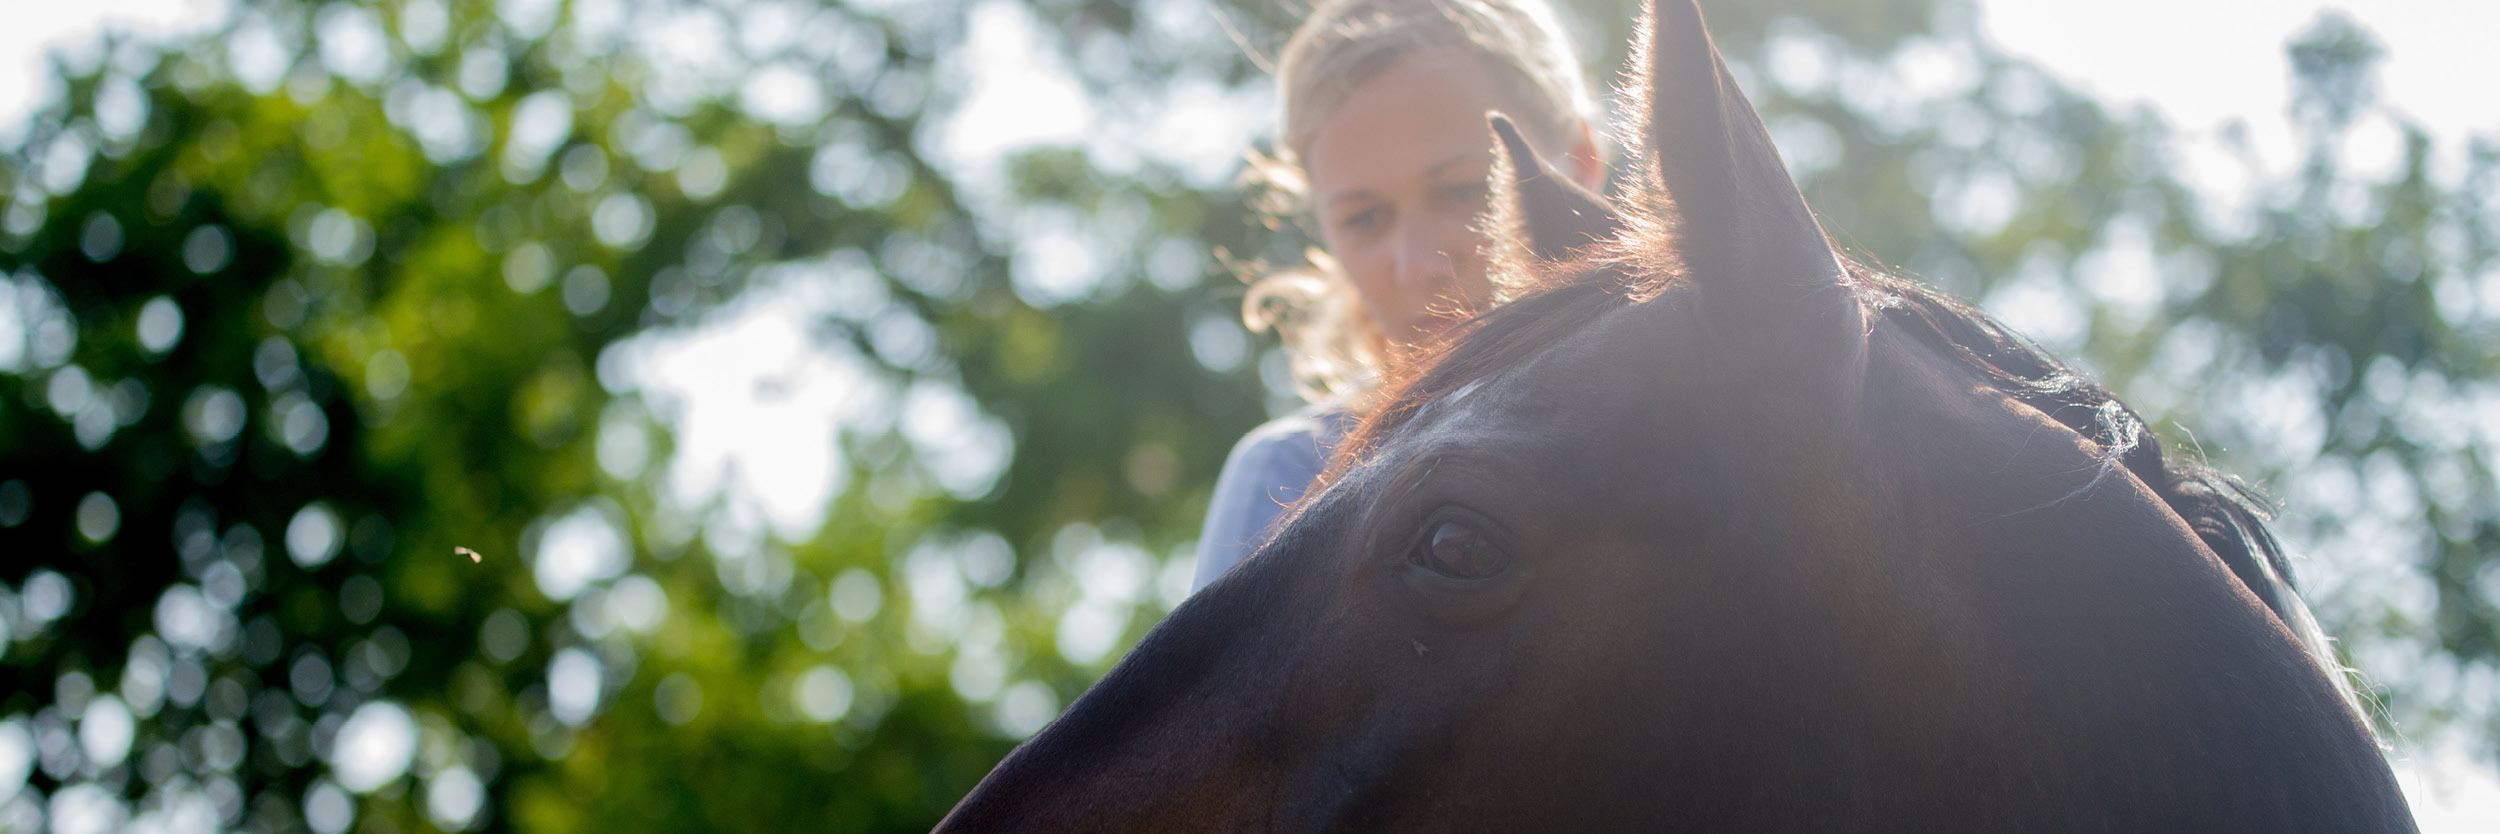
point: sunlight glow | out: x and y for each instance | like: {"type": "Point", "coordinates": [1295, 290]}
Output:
{"type": "Point", "coordinates": [757, 402]}
{"type": "Point", "coordinates": [824, 693]}
{"type": "Point", "coordinates": [1020, 95]}
{"type": "Point", "coordinates": [453, 798]}
{"type": "Point", "coordinates": [105, 732]}
{"type": "Point", "coordinates": [374, 747]}
{"type": "Point", "coordinates": [2436, 71]}
{"type": "Point", "coordinates": [85, 808]}
{"type": "Point", "coordinates": [17, 756]}
{"type": "Point", "coordinates": [584, 546]}
{"type": "Point", "coordinates": [573, 686]}
{"type": "Point", "coordinates": [2450, 791]}
{"type": "Point", "coordinates": [38, 32]}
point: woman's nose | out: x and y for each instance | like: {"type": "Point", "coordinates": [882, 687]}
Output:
{"type": "Point", "coordinates": [1427, 256]}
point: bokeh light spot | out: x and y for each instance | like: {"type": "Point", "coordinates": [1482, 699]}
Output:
{"type": "Point", "coordinates": [678, 699]}
{"type": "Point", "coordinates": [160, 324]}
{"type": "Point", "coordinates": [573, 687]}
{"type": "Point", "coordinates": [313, 535]}
{"type": "Point", "coordinates": [98, 517]}
{"type": "Point", "coordinates": [824, 693]}
{"type": "Point", "coordinates": [374, 747]}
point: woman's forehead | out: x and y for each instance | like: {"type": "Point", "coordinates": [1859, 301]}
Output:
{"type": "Point", "coordinates": [1420, 116]}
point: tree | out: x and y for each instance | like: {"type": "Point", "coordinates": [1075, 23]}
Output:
{"type": "Point", "coordinates": [359, 366]}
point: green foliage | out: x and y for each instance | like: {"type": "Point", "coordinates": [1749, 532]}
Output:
{"type": "Point", "coordinates": [282, 333]}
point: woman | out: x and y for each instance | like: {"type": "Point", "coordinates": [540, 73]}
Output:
{"type": "Point", "coordinates": [1383, 144]}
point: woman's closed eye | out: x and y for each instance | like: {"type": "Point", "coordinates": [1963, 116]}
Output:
{"type": "Point", "coordinates": [1362, 221]}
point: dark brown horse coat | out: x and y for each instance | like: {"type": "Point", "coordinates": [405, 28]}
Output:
{"type": "Point", "coordinates": [1708, 531]}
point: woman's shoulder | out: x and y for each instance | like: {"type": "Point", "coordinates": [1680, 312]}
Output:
{"type": "Point", "coordinates": [1267, 472]}
{"type": "Point", "coordinates": [1283, 455]}
{"type": "Point", "coordinates": [1311, 431]}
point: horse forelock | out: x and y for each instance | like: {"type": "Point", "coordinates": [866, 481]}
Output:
{"type": "Point", "coordinates": [1550, 303]}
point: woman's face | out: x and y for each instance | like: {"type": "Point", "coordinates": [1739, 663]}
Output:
{"type": "Point", "coordinates": [1398, 178]}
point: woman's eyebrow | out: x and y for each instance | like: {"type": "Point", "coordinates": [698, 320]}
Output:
{"type": "Point", "coordinates": [1437, 169]}
{"type": "Point", "coordinates": [1458, 159]}
{"type": "Point", "coordinates": [1330, 201]}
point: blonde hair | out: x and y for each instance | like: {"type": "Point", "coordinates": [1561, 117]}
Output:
{"type": "Point", "coordinates": [1334, 346]}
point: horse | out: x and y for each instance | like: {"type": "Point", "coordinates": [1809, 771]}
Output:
{"type": "Point", "coordinates": [1709, 529]}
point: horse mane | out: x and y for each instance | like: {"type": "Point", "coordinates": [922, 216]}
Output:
{"type": "Point", "coordinates": [1555, 297]}
{"type": "Point", "coordinates": [2228, 514]}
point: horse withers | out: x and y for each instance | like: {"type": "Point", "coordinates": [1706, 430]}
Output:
{"type": "Point", "coordinates": [1708, 530]}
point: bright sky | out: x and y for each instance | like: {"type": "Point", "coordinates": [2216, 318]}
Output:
{"type": "Point", "coordinates": [2205, 63]}
{"type": "Point", "coordinates": [2200, 63]}
{"type": "Point", "coordinates": [38, 29]}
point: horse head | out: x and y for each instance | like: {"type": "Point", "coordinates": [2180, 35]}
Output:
{"type": "Point", "coordinates": [1708, 530]}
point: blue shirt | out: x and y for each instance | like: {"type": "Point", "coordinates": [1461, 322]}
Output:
{"type": "Point", "coordinates": [1268, 470]}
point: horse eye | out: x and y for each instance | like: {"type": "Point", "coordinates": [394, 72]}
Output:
{"type": "Point", "coordinates": [1461, 552]}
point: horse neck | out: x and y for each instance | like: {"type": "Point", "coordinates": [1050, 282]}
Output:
{"type": "Point", "coordinates": [2014, 548]}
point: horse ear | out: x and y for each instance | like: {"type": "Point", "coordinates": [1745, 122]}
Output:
{"type": "Point", "coordinates": [1538, 213]}
{"type": "Point", "coordinates": [1732, 212]}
